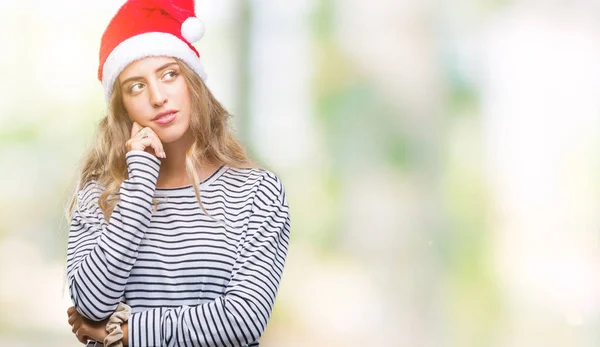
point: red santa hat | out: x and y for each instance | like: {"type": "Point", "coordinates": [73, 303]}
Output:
{"type": "Point", "coordinates": [144, 28]}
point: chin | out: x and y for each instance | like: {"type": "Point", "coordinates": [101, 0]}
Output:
{"type": "Point", "coordinates": [170, 137]}
{"type": "Point", "coordinates": [172, 134]}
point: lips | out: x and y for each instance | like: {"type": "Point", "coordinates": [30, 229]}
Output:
{"type": "Point", "coordinates": [163, 114]}
{"type": "Point", "coordinates": [165, 117]}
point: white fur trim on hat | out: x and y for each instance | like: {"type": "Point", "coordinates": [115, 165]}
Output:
{"type": "Point", "coordinates": [146, 45]}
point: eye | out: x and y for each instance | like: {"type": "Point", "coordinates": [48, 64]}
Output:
{"type": "Point", "coordinates": [135, 87]}
{"type": "Point", "coordinates": [170, 75]}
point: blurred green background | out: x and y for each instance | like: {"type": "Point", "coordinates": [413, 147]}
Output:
{"type": "Point", "coordinates": [441, 160]}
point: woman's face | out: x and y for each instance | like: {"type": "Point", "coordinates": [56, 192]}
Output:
{"type": "Point", "coordinates": [155, 95]}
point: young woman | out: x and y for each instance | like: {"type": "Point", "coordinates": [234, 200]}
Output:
{"type": "Point", "coordinates": [175, 239]}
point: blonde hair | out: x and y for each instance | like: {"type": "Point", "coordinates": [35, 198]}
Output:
{"type": "Point", "coordinates": [105, 161]}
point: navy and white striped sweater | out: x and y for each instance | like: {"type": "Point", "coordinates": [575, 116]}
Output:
{"type": "Point", "coordinates": [191, 280]}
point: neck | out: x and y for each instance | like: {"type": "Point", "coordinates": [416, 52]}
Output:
{"type": "Point", "coordinates": [172, 168]}
{"type": "Point", "coordinates": [172, 171]}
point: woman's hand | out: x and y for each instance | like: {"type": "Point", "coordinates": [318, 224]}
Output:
{"type": "Point", "coordinates": [151, 140]}
{"type": "Point", "coordinates": [85, 329]}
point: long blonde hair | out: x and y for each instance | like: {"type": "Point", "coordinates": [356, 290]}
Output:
{"type": "Point", "coordinates": [105, 161]}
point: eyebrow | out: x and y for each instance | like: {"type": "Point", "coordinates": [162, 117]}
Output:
{"type": "Point", "coordinates": [155, 71]}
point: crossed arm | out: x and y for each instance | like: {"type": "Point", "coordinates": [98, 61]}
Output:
{"type": "Point", "coordinates": [101, 255]}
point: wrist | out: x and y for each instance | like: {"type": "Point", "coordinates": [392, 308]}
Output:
{"type": "Point", "coordinates": [125, 339]}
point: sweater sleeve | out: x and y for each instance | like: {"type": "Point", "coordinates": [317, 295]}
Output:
{"type": "Point", "coordinates": [100, 255]}
{"type": "Point", "coordinates": [240, 315]}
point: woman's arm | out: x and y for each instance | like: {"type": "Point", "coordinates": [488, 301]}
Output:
{"type": "Point", "coordinates": [100, 255]}
{"type": "Point", "coordinates": [240, 315]}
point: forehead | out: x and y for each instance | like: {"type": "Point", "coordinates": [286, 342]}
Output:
{"type": "Point", "coordinates": [144, 66]}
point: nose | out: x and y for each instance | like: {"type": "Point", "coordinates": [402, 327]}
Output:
{"type": "Point", "coordinates": [157, 96]}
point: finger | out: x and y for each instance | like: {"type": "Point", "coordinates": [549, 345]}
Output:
{"type": "Point", "coordinates": [76, 325]}
{"type": "Point", "coordinates": [72, 319]}
{"type": "Point", "coordinates": [70, 310]}
{"type": "Point", "coordinates": [147, 143]}
{"type": "Point", "coordinates": [81, 336]}
{"type": "Point", "coordinates": [162, 148]}
{"type": "Point", "coordinates": [159, 150]}
{"type": "Point", "coordinates": [77, 337]}
{"type": "Point", "coordinates": [155, 143]}
{"type": "Point", "coordinates": [142, 143]}
{"type": "Point", "coordinates": [139, 144]}
{"type": "Point", "coordinates": [135, 128]}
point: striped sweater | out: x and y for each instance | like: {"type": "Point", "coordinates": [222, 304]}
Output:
{"type": "Point", "coordinates": [190, 279]}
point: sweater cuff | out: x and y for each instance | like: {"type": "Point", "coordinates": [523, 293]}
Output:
{"type": "Point", "coordinates": [145, 328]}
{"type": "Point", "coordinates": [142, 164]}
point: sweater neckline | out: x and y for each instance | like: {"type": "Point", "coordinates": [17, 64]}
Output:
{"type": "Point", "coordinates": [203, 184]}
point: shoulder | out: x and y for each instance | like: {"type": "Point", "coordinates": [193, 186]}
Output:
{"type": "Point", "coordinates": [261, 183]}
{"type": "Point", "coordinates": [89, 193]}
{"type": "Point", "coordinates": [86, 204]}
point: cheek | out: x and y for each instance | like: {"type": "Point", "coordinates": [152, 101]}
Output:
{"type": "Point", "coordinates": [186, 101]}
{"type": "Point", "coordinates": [183, 91]}
{"type": "Point", "coordinates": [134, 110]}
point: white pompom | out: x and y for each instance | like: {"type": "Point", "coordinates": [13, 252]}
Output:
{"type": "Point", "coordinates": [192, 29]}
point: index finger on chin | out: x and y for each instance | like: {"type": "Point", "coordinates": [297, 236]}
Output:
{"type": "Point", "coordinates": [135, 128]}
